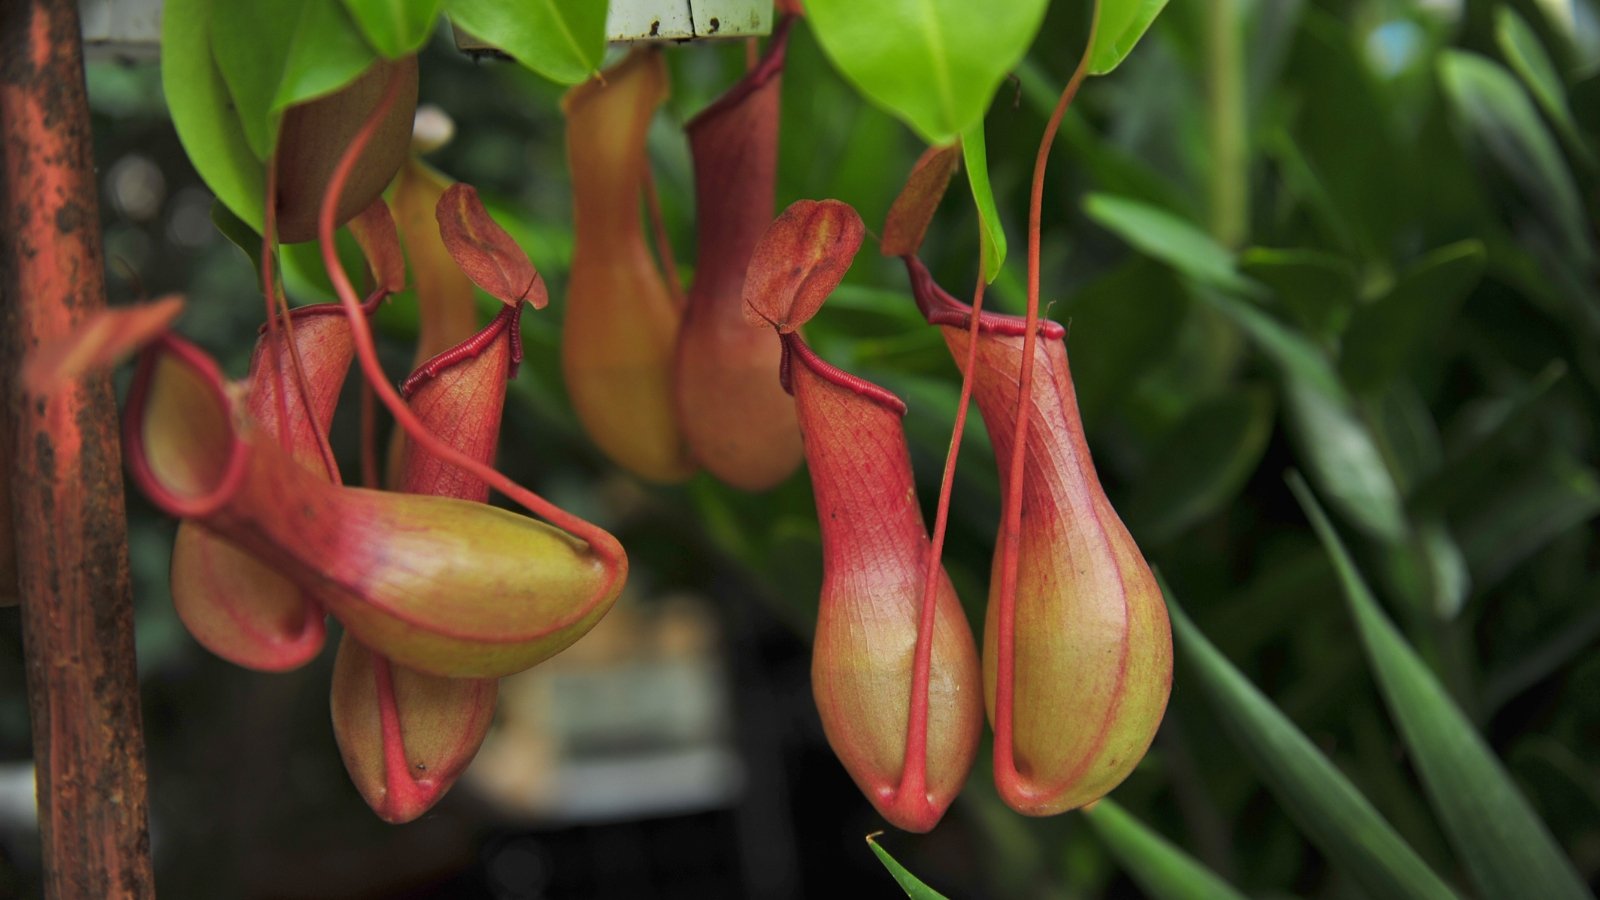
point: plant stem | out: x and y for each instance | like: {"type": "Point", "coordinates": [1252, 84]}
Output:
{"type": "Point", "coordinates": [914, 769]}
{"type": "Point", "coordinates": [601, 542]}
{"type": "Point", "coordinates": [1229, 144]}
{"type": "Point", "coordinates": [1005, 768]}
{"type": "Point", "coordinates": [658, 228]}
{"type": "Point", "coordinates": [67, 501]}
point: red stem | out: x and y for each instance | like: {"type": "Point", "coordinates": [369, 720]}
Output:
{"type": "Point", "coordinates": [658, 226]}
{"type": "Point", "coordinates": [269, 247]}
{"type": "Point", "coordinates": [303, 388]}
{"type": "Point", "coordinates": [914, 773]}
{"type": "Point", "coordinates": [600, 541]}
{"type": "Point", "coordinates": [1011, 524]}
{"type": "Point", "coordinates": [272, 292]}
{"type": "Point", "coordinates": [67, 500]}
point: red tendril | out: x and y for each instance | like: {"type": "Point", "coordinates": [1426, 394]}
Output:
{"type": "Point", "coordinates": [600, 541]}
{"type": "Point", "coordinates": [914, 772]}
{"type": "Point", "coordinates": [658, 227]}
{"type": "Point", "coordinates": [1011, 530]}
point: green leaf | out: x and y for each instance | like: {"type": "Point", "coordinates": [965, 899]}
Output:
{"type": "Point", "coordinates": [1345, 461]}
{"type": "Point", "coordinates": [563, 40]}
{"type": "Point", "coordinates": [1160, 868]}
{"type": "Point", "coordinates": [908, 882]}
{"type": "Point", "coordinates": [1295, 356]}
{"type": "Point", "coordinates": [327, 54]}
{"type": "Point", "coordinates": [1340, 148]}
{"type": "Point", "coordinates": [1321, 801]}
{"type": "Point", "coordinates": [1113, 341]}
{"type": "Point", "coordinates": [934, 64]}
{"type": "Point", "coordinates": [1161, 235]}
{"type": "Point", "coordinates": [238, 232]}
{"type": "Point", "coordinates": [1431, 571]}
{"type": "Point", "coordinates": [395, 28]}
{"type": "Point", "coordinates": [1384, 336]}
{"type": "Point", "coordinates": [1530, 61]}
{"type": "Point", "coordinates": [1122, 24]}
{"type": "Point", "coordinates": [202, 112]}
{"type": "Point", "coordinates": [276, 55]}
{"type": "Point", "coordinates": [1569, 641]}
{"type": "Point", "coordinates": [975, 156]}
{"type": "Point", "coordinates": [305, 278]}
{"type": "Point", "coordinates": [1524, 509]}
{"type": "Point", "coordinates": [1500, 423]}
{"type": "Point", "coordinates": [1201, 465]}
{"type": "Point", "coordinates": [1318, 288]}
{"type": "Point", "coordinates": [1507, 850]}
{"type": "Point", "coordinates": [1497, 112]}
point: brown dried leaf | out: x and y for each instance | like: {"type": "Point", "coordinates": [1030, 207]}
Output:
{"type": "Point", "coordinates": [485, 252]}
{"type": "Point", "coordinates": [375, 231]}
{"type": "Point", "coordinates": [799, 261]}
{"type": "Point", "coordinates": [106, 339]}
{"type": "Point", "coordinates": [911, 212]}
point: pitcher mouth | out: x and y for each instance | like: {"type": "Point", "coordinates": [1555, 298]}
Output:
{"type": "Point", "coordinates": [183, 444]}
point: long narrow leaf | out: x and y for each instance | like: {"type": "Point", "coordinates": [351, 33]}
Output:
{"type": "Point", "coordinates": [1161, 869]}
{"type": "Point", "coordinates": [1507, 850]}
{"type": "Point", "coordinates": [1326, 806]}
{"type": "Point", "coordinates": [975, 154]}
{"type": "Point", "coordinates": [911, 884]}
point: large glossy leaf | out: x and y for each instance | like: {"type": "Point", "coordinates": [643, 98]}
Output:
{"type": "Point", "coordinates": [1505, 847]}
{"type": "Point", "coordinates": [275, 55]}
{"type": "Point", "coordinates": [563, 40]}
{"type": "Point", "coordinates": [1201, 465]}
{"type": "Point", "coordinates": [1504, 122]}
{"type": "Point", "coordinates": [1122, 24]}
{"type": "Point", "coordinates": [911, 884]}
{"type": "Point", "coordinates": [1163, 870]}
{"type": "Point", "coordinates": [395, 28]}
{"type": "Point", "coordinates": [975, 156]}
{"type": "Point", "coordinates": [202, 113]}
{"type": "Point", "coordinates": [1385, 335]}
{"type": "Point", "coordinates": [933, 63]}
{"type": "Point", "coordinates": [1321, 801]}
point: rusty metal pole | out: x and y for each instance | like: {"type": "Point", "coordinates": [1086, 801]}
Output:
{"type": "Point", "coordinates": [67, 503]}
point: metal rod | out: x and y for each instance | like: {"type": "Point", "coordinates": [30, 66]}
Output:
{"type": "Point", "coordinates": [67, 501]}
